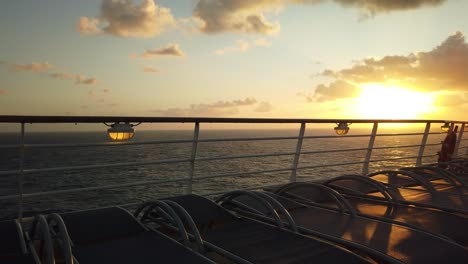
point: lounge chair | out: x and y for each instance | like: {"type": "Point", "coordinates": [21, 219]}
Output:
{"type": "Point", "coordinates": [113, 235]}
{"type": "Point", "coordinates": [402, 243]}
{"type": "Point", "coordinates": [356, 189]}
{"type": "Point", "coordinates": [13, 246]}
{"type": "Point", "coordinates": [442, 180]}
{"type": "Point", "coordinates": [410, 188]}
{"type": "Point", "coordinates": [240, 239]}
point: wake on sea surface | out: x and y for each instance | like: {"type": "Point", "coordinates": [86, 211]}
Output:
{"type": "Point", "coordinates": [67, 179]}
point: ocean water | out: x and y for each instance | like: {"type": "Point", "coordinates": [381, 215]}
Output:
{"type": "Point", "coordinates": [68, 179]}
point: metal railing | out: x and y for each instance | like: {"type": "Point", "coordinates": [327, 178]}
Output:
{"type": "Point", "coordinates": [193, 158]}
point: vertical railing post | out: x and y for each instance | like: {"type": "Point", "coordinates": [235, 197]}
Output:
{"type": "Point", "coordinates": [423, 144]}
{"type": "Point", "coordinates": [459, 140]}
{"type": "Point", "coordinates": [193, 156]}
{"type": "Point", "coordinates": [297, 155]}
{"type": "Point", "coordinates": [370, 147]}
{"type": "Point", "coordinates": [21, 175]}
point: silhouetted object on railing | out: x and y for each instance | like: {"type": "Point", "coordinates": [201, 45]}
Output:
{"type": "Point", "coordinates": [448, 147]}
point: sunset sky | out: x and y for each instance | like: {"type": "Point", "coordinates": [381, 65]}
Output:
{"type": "Point", "coordinates": [235, 58]}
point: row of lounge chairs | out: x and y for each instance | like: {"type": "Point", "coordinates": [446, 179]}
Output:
{"type": "Point", "coordinates": [411, 215]}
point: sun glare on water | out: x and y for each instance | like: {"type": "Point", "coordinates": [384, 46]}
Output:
{"type": "Point", "coordinates": [384, 102]}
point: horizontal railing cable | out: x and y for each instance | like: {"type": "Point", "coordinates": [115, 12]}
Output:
{"type": "Point", "coordinates": [102, 144]}
{"type": "Point", "coordinates": [98, 166]}
{"type": "Point", "coordinates": [330, 165]}
{"type": "Point", "coordinates": [156, 142]}
{"type": "Point", "coordinates": [240, 174]}
{"type": "Point", "coordinates": [245, 156]}
{"type": "Point", "coordinates": [332, 151]}
{"type": "Point", "coordinates": [96, 188]}
{"type": "Point", "coordinates": [401, 158]}
{"type": "Point", "coordinates": [138, 183]}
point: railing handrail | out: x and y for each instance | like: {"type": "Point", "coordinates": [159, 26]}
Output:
{"type": "Point", "coordinates": [109, 119]}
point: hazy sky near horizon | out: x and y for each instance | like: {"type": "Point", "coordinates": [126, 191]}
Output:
{"type": "Point", "coordinates": [235, 58]}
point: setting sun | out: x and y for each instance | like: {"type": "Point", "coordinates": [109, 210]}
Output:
{"type": "Point", "coordinates": [383, 102]}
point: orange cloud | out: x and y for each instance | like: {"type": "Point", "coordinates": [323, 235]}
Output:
{"type": "Point", "coordinates": [88, 26]}
{"type": "Point", "coordinates": [150, 69]}
{"type": "Point", "coordinates": [383, 6]}
{"type": "Point", "coordinates": [264, 107]}
{"type": "Point", "coordinates": [32, 67]}
{"type": "Point", "coordinates": [39, 67]}
{"type": "Point", "coordinates": [126, 19]}
{"type": "Point", "coordinates": [80, 79]}
{"type": "Point", "coordinates": [451, 99]}
{"type": "Point", "coordinates": [246, 16]}
{"type": "Point", "coordinates": [3, 91]}
{"type": "Point", "coordinates": [62, 75]}
{"type": "Point", "coordinates": [335, 90]}
{"type": "Point", "coordinates": [168, 50]}
{"type": "Point", "coordinates": [441, 69]}
{"type": "Point", "coordinates": [238, 16]}
{"type": "Point", "coordinates": [219, 108]}
{"type": "Point", "coordinates": [243, 46]}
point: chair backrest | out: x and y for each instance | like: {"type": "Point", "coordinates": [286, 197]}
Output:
{"type": "Point", "coordinates": [100, 224]}
{"type": "Point", "coordinates": [12, 244]}
{"type": "Point", "coordinates": [10, 239]}
{"type": "Point", "coordinates": [202, 210]}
